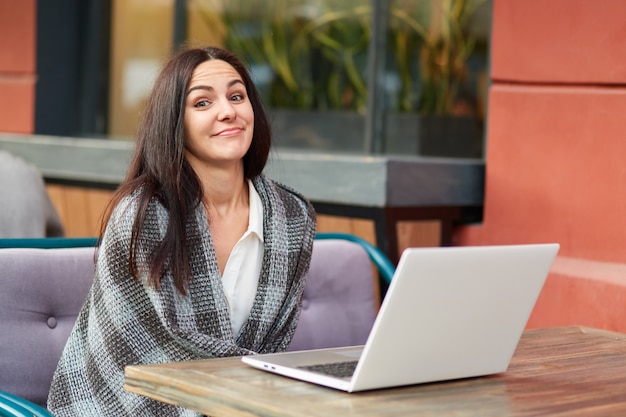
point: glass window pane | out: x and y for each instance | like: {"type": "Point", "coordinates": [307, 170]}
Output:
{"type": "Point", "coordinates": [308, 59]}
{"type": "Point", "coordinates": [436, 76]}
{"type": "Point", "coordinates": [141, 37]}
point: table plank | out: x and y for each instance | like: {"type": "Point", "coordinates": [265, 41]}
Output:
{"type": "Point", "coordinates": [571, 371]}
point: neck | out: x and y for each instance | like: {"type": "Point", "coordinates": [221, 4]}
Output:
{"type": "Point", "coordinates": [224, 187]}
{"type": "Point", "coordinates": [224, 194]}
{"type": "Point", "coordinates": [222, 200]}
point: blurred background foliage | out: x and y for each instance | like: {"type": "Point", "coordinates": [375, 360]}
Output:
{"type": "Point", "coordinates": [312, 55]}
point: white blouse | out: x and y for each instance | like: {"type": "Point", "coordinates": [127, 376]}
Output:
{"type": "Point", "coordinates": [241, 274]}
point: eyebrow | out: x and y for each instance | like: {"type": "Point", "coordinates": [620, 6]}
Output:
{"type": "Point", "coordinates": [209, 88]}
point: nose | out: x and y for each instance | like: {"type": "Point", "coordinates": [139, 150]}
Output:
{"type": "Point", "coordinates": [226, 110]}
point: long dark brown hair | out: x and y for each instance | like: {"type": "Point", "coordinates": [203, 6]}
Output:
{"type": "Point", "coordinates": [158, 168]}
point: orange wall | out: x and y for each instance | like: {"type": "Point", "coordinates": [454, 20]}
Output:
{"type": "Point", "coordinates": [555, 168]}
{"type": "Point", "coordinates": [17, 65]}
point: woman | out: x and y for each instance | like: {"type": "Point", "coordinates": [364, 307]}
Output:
{"type": "Point", "coordinates": [202, 255]}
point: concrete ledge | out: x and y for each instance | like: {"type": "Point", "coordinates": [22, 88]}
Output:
{"type": "Point", "coordinates": [350, 179]}
{"type": "Point", "coordinates": [72, 159]}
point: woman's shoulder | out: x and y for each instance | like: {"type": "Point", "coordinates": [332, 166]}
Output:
{"type": "Point", "coordinates": [126, 211]}
{"type": "Point", "coordinates": [287, 195]}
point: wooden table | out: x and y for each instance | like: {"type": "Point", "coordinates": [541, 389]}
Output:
{"type": "Point", "coordinates": [565, 371]}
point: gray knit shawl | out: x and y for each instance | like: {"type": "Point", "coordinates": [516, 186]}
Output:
{"type": "Point", "coordinates": [125, 322]}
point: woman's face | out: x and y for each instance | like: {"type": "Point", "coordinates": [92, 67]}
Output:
{"type": "Point", "coordinates": [219, 119]}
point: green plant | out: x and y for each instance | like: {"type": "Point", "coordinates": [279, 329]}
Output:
{"type": "Point", "coordinates": [317, 51]}
{"type": "Point", "coordinates": [438, 30]}
{"type": "Point", "coordinates": [339, 40]}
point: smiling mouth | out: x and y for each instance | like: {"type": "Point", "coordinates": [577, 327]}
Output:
{"type": "Point", "coordinates": [230, 132]}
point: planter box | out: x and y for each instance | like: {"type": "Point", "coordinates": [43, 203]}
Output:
{"type": "Point", "coordinates": [405, 134]}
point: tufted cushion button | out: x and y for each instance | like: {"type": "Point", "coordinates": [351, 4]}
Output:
{"type": "Point", "coordinates": [305, 304]}
{"type": "Point", "coordinates": [52, 322]}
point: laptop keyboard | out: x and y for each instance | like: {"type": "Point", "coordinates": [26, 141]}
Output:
{"type": "Point", "coordinates": [336, 369]}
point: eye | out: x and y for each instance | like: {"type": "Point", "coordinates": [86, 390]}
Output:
{"type": "Point", "coordinates": [237, 97]}
{"type": "Point", "coordinates": [201, 103]}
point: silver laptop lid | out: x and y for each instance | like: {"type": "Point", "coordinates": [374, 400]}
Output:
{"type": "Point", "coordinates": [453, 312]}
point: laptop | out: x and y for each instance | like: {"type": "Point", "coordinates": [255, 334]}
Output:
{"type": "Point", "coordinates": [449, 313]}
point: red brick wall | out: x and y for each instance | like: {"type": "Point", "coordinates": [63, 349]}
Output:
{"type": "Point", "coordinates": [17, 65]}
{"type": "Point", "coordinates": [556, 150]}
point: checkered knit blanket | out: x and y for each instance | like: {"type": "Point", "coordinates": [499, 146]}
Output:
{"type": "Point", "coordinates": [125, 322]}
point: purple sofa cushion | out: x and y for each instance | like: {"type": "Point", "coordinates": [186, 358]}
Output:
{"type": "Point", "coordinates": [41, 293]}
{"type": "Point", "coordinates": [338, 306]}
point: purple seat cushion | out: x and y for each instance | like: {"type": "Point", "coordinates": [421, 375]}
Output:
{"type": "Point", "coordinates": [41, 293]}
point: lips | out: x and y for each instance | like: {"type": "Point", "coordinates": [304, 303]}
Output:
{"type": "Point", "coordinates": [230, 131]}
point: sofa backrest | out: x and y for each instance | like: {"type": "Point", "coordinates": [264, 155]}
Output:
{"type": "Point", "coordinates": [42, 291]}
{"type": "Point", "coordinates": [339, 303]}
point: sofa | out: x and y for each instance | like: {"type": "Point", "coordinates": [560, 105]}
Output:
{"type": "Point", "coordinates": [42, 291]}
